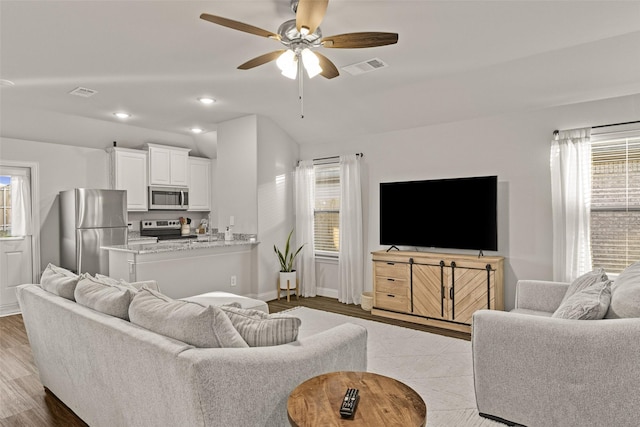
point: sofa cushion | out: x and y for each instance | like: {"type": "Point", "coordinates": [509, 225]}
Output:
{"type": "Point", "coordinates": [625, 294]}
{"type": "Point", "coordinates": [189, 322]}
{"type": "Point", "coordinates": [151, 284]}
{"type": "Point", "coordinates": [584, 281]}
{"type": "Point", "coordinates": [590, 303]}
{"type": "Point", "coordinates": [112, 299]}
{"type": "Point", "coordinates": [59, 281]}
{"type": "Point", "coordinates": [260, 329]}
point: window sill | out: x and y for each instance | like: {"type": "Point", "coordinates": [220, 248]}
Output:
{"type": "Point", "coordinates": [12, 238]}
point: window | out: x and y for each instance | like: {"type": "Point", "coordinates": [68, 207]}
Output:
{"type": "Point", "coordinates": [5, 206]}
{"type": "Point", "coordinates": [615, 202]}
{"type": "Point", "coordinates": [326, 213]}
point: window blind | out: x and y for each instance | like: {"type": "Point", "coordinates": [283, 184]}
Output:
{"type": "Point", "coordinates": [327, 209]}
{"type": "Point", "coordinates": [615, 202]}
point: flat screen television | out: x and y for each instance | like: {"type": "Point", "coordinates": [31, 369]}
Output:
{"type": "Point", "coordinates": [458, 213]}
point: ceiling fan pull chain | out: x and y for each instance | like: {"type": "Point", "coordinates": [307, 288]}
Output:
{"type": "Point", "coordinates": [300, 85]}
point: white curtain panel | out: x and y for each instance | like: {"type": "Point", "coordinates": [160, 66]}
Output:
{"type": "Point", "coordinates": [304, 201]}
{"type": "Point", "coordinates": [20, 206]}
{"type": "Point", "coordinates": [351, 256]}
{"type": "Point", "coordinates": [571, 203]}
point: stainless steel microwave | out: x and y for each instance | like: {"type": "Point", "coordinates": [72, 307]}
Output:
{"type": "Point", "coordinates": [168, 198]}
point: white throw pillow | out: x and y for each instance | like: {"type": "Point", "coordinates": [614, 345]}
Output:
{"type": "Point", "coordinates": [151, 284]}
{"type": "Point", "coordinates": [584, 281]}
{"type": "Point", "coordinates": [625, 294]}
{"type": "Point", "coordinates": [260, 329]}
{"type": "Point", "coordinates": [189, 322]}
{"type": "Point", "coordinates": [59, 281]}
{"type": "Point", "coordinates": [112, 299]}
{"type": "Point", "coordinates": [591, 303]}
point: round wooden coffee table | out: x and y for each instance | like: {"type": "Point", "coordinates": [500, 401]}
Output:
{"type": "Point", "coordinates": [383, 401]}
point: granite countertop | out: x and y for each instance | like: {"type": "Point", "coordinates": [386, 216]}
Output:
{"type": "Point", "coordinates": [179, 245]}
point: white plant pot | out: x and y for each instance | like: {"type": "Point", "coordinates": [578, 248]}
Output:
{"type": "Point", "coordinates": [290, 276]}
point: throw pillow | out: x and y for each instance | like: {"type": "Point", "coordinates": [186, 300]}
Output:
{"type": "Point", "coordinates": [625, 294]}
{"type": "Point", "coordinates": [112, 299]}
{"type": "Point", "coordinates": [260, 329]}
{"type": "Point", "coordinates": [151, 284]}
{"type": "Point", "coordinates": [591, 303]}
{"type": "Point", "coordinates": [189, 322]}
{"type": "Point", "coordinates": [587, 279]}
{"type": "Point", "coordinates": [59, 281]}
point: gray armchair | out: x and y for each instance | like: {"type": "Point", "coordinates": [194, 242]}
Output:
{"type": "Point", "coordinates": [539, 371]}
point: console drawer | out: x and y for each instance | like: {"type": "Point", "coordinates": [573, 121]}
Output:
{"type": "Point", "coordinates": [392, 269]}
{"type": "Point", "coordinates": [390, 301]}
{"type": "Point", "coordinates": [392, 286]}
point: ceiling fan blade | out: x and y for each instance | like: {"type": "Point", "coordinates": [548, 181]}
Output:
{"type": "Point", "coordinates": [329, 70]}
{"type": "Point", "coordinates": [262, 59]}
{"type": "Point", "coordinates": [310, 13]}
{"type": "Point", "coordinates": [359, 40]}
{"type": "Point", "coordinates": [240, 26]}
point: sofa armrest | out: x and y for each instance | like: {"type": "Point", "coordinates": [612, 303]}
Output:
{"type": "Point", "coordinates": [547, 372]}
{"type": "Point", "coordinates": [263, 377]}
{"type": "Point", "coordinates": [540, 295]}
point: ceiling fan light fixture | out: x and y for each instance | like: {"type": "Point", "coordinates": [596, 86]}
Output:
{"type": "Point", "coordinates": [311, 63]}
{"type": "Point", "coordinates": [287, 62]}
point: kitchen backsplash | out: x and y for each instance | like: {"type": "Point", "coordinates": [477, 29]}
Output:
{"type": "Point", "coordinates": [135, 217]}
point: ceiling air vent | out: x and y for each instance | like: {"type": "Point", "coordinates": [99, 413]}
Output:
{"type": "Point", "coordinates": [83, 92]}
{"type": "Point", "coordinates": [365, 66]}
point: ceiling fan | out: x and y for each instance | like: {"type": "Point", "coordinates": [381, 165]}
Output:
{"type": "Point", "coordinates": [302, 35]}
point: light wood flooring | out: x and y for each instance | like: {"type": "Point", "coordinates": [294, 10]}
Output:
{"type": "Point", "coordinates": [25, 402]}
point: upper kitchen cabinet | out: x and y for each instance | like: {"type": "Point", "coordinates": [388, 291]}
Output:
{"type": "Point", "coordinates": [199, 184]}
{"type": "Point", "coordinates": [168, 165]}
{"type": "Point", "coordinates": [128, 171]}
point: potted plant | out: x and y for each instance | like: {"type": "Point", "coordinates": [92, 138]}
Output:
{"type": "Point", "coordinates": [287, 273]}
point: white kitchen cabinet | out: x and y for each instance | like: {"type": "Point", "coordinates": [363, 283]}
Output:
{"type": "Point", "coordinates": [168, 165]}
{"type": "Point", "coordinates": [199, 184]}
{"type": "Point", "coordinates": [128, 171]}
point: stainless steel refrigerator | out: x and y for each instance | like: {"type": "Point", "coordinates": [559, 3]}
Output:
{"type": "Point", "coordinates": [89, 219]}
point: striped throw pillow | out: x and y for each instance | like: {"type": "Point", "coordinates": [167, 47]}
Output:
{"type": "Point", "coordinates": [260, 329]}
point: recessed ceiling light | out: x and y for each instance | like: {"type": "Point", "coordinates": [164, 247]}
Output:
{"type": "Point", "coordinates": [122, 115]}
{"type": "Point", "coordinates": [4, 82]}
{"type": "Point", "coordinates": [206, 100]}
{"type": "Point", "coordinates": [197, 130]}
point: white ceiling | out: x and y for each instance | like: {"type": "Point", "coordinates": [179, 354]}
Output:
{"type": "Point", "coordinates": [454, 60]}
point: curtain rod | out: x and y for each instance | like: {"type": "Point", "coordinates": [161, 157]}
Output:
{"type": "Point", "coordinates": [331, 157]}
{"type": "Point", "coordinates": [555, 132]}
{"type": "Point", "coordinates": [335, 157]}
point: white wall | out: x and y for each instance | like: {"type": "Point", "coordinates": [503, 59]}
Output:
{"type": "Point", "coordinates": [61, 167]}
{"type": "Point", "coordinates": [515, 147]}
{"type": "Point", "coordinates": [277, 158]}
{"type": "Point", "coordinates": [236, 174]}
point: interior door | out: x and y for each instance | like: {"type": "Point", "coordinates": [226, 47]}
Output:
{"type": "Point", "coordinates": [16, 258]}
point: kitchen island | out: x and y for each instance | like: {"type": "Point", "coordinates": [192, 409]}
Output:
{"type": "Point", "coordinates": [184, 268]}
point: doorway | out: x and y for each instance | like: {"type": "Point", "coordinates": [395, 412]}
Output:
{"type": "Point", "coordinates": [19, 231]}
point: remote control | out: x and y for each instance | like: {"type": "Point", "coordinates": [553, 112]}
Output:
{"type": "Point", "coordinates": [349, 403]}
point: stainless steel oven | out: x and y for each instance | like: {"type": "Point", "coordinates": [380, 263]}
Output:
{"type": "Point", "coordinates": [168, 198]}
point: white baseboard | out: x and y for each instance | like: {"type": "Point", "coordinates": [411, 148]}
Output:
{"type": "Point", "coordinates": [9, 309]}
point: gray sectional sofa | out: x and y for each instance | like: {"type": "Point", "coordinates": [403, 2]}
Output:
{"type": "Point", "coordinates": [112, 373]}
{"type": "Point", "coordinates": [533, 368]}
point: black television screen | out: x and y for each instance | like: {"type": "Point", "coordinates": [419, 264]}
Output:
{"type": "Point", "coordinates": [459, 213]}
